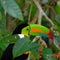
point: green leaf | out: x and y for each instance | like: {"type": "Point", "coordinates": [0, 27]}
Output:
{"type": "Point", "coordinates": [34, 9]}
{"type": "Point", "coordinates": [12, 8]}
{"type": "Point", "coordinates": [6, 40]}
{"type": "Point", "coordinates": [9, 39]}
{"type": "Point", "coordinates": [57, 18]}
{"type": "Point", "coordinates": [47, 54]}
{"type": "Point", "coordinates": [58, 28]}
{"type": "Point", "coordinates": [46, 51]}
{"type": "Point", "coordinates": [2, 18]}
{"type": "Point", "coordinates": [57, 9]}
{"type": "Point", "coordinates": [35, 53]}
{"type": "Point", "coordinates": [22, 46]}
{"type": "Point", "coordinates": [3, 46]}
{"type": "Point", "coordinates": [57, 42]}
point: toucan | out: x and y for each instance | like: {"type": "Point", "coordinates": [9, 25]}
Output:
{"type": "Point", "coordinates": [27, 29]}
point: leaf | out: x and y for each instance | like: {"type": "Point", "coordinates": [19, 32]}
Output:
{"type": "Point", "coordinates": [57, 42]}
{"type": "Point", "coordinates": [57, 18]}
{"type": "Point", "coordinates": [22, 46]}
{"type": "Point", "coordinates": [47, 51]}
{"type": "Point", "coordinates": [6, 40]}
{"type": "Point", "coordinates": [57, 9]}
{"type": "Point", "coordinates": [47, 54]}
{"type": "Point", "coordinates": [3, 46]}
{"type": "Point", "coordinates": [57, 13]}
{"type": "Point", "coordinates": [9, 39]}
{"type": "Point", "coordinates": [34, 9]}
{"type": "Point", "coordinates": [2, 18]}
{"type": "Point", "coordinates": [35, 53]}
{"type": "Point", "coordinates": [12, 8]}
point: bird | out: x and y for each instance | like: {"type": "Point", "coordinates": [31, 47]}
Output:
{"type": "Point", "coordinates": [37, 30]}
{"type": "Point", "coordinates": [26, 29]}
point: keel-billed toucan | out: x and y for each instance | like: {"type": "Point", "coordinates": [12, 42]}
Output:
{"type": "Point", "coordinates": [32, 29]}
{"type": "Point", "coordinates": [37, 30]}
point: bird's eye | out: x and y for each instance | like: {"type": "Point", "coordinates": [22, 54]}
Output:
{"type": "Point", "coordinates": [27, 29]}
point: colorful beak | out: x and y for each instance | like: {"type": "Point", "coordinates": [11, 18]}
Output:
{"type": "Point", "coordinates": [50, 35]}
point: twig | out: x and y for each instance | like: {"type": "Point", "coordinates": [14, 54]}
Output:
{"type": "Point", "coordinates": [36, 38]}
{"type": "Point", "coordinates": [39, 17]}
{"type": "Point", "coordinates": [5, 12]}
{"type": "Point", "coordinates": [29, 14]}
{"type": "Point", "coordinates": [40, 11]}
{"type": "Point", "coordinates": [34, 19]}
{"type": "Point", "coordinates": [28, 57]}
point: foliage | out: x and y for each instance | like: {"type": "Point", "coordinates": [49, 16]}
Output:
{"type": "Point", "coordinates": [47, 54]}
{"type": "Point", "coordinates": [15, 12]}
{"type": "Point", "coordinates": [18, 50]}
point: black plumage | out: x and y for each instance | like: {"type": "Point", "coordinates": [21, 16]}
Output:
{"type": "Point", "coordinates": [7, 54]}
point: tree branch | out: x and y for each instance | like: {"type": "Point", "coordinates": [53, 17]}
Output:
{"type": "Point", "coordinates": [34, 19]}
{"type": "Point", "coordinates": [42, 13]}
{"type": "Point", "coordinates": [29, 14]}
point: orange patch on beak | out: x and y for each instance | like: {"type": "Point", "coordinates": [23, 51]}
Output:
{"type": "Point", "coordinates": [26, 53]}
{"type": "Point", "coordinates": [37, 30]}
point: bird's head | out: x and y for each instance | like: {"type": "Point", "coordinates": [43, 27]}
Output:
{"type": "Point", "coordinates": [25, 31]}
